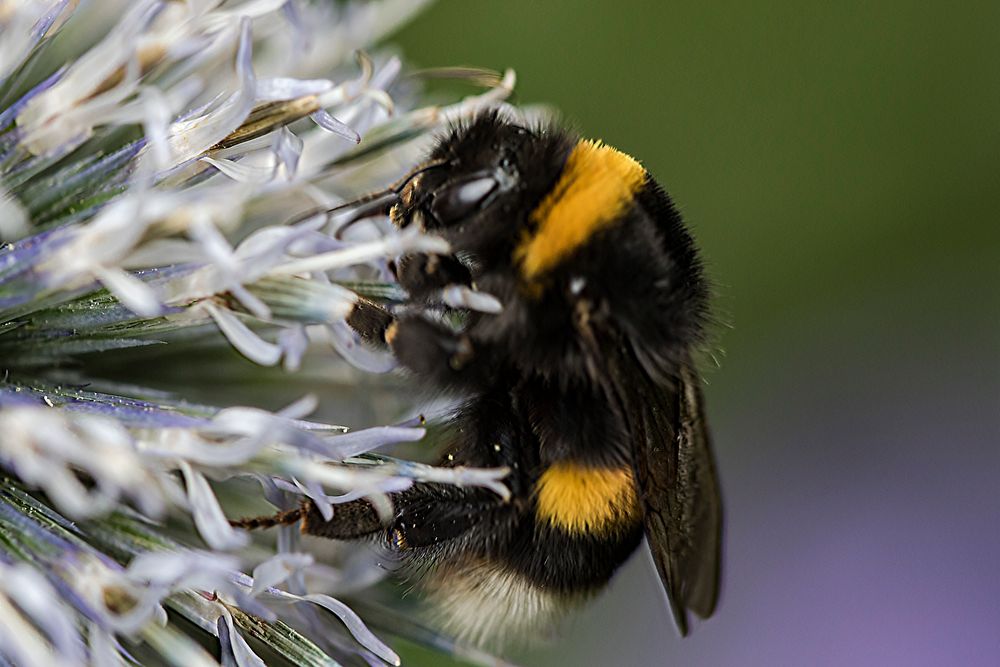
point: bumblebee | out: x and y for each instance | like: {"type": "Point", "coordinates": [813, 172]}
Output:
{"type": "Point", "coordinates": [583, 385]}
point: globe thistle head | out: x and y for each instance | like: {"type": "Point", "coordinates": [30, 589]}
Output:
{"type": "Point", "coordinates": [166, 169]}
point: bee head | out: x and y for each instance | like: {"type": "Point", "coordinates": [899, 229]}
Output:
{"type": "Point", "coordinates": [480, 179]}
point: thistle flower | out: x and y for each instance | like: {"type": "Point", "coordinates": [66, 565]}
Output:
{"type": "Point", "coordinates": [165, 168]}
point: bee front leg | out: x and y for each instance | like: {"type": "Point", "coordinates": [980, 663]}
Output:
{"type": "Point", "coordinates": [422, 275]}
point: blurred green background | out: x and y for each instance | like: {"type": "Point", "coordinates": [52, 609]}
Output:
{"type": "Point", "coordinates": [839, 164]}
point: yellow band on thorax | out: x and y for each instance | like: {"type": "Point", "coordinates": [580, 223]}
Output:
{"type": "Point", "coordinates": [596, 186]}
{"type": "Point", "coordinates": [586, 500]}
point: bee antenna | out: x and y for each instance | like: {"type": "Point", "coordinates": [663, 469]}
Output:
{"type": "Point", "coordinates": [269, 520]}
{"type": "Point", "coordinates": [398, 186]}
{"type": "Point", "coordinates": [372, 208]}
{"type": "Point", "coordinates": [370, 204]}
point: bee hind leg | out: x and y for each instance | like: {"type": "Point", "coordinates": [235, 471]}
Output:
{"type": "Point", "coordinates": [349, 521]}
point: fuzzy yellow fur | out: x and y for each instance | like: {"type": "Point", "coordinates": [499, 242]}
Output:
{"type": "Point", "coordinates": [596, 185]}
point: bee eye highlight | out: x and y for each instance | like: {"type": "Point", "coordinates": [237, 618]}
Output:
{"type": "Point", "coordinates": [457, 200]}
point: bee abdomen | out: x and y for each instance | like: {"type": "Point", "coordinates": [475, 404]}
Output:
{"type": "Point", "coordinates": [488, 602]}
{"type": "Point", "coordinates": [513, 577]}
{"type": "Point", "coordinates": [520, 590]}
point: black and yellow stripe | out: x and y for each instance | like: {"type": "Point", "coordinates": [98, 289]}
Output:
{"type": "Point", "coordinates": [598, 183]}
{"type": "Point", "coordinates": [583, 500]}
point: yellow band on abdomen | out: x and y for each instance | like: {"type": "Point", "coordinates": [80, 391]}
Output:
{"type": "Point", "coordinates": [596, 186]}
{"type": "Point", "coordinates": [586, 500]}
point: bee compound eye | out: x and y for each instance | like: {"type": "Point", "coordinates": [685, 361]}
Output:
{"type": "Point", "coordinates": [456, 201]}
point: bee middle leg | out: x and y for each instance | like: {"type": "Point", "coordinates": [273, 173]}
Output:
{"type": "Point", "coordinates": [425, 347]}
{"type": "Point", "coordinates": [421, 275]}
{"type": "Point", "coordinates": [438, 353]}
{"type": "Point", "coordinates": [370, 321]}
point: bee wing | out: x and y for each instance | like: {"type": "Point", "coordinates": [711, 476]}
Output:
{"type": "Point", "coordinates": [672, 461]}
{"type": "Point", "coordinates": [676, 476]}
